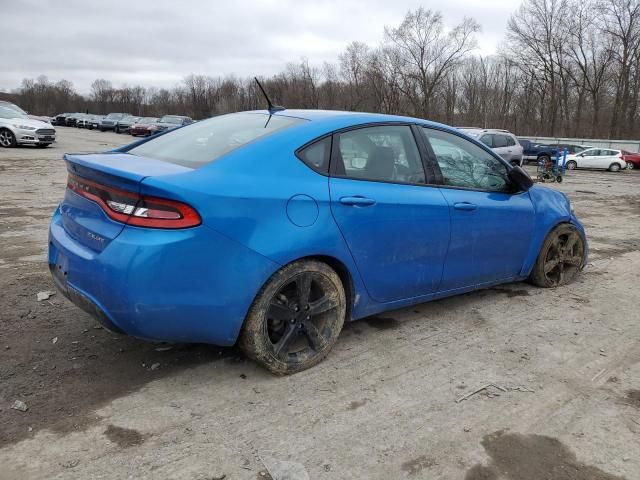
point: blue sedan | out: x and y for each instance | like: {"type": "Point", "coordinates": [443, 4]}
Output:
{"type": "Point", "coordinates": [272, 228]}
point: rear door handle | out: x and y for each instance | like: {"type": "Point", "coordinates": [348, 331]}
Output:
{"type": "Point", "coordinates": [465, 206]}
{"type": "Point", "coordinates": [357, 201]}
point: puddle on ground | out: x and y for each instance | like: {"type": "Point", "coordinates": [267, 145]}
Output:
{"type": "Point", "coordinates": [124, 437]}
{"type": "Point", "coordinates": [515, 456]}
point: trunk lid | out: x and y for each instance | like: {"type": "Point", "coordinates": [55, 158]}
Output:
{"type": "Point", "coordinates": [84, 219]}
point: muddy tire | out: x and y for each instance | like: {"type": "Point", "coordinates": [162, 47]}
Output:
{"type": "Point", "coordinates": [560, 258]}
{"type": "Point", "coordinates": [296, 318]}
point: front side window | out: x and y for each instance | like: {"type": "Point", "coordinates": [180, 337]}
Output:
{"type": "Point", "coordinates": [510, 141]}
{"type": "Point", "coordinates": [466, 165]}
{"type": "Point", "coordinates": [487, 140]}
{"type": "Point", "coordinates": [203, 142]}
{"type": "Point", "coordinates": [387, 153]}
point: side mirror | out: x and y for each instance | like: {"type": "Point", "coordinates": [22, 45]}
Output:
{"type": "Point", "coordinates": [520, 178]}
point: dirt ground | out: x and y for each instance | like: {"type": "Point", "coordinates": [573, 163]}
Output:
{"type": "Point", "coordinates": [564, 369]}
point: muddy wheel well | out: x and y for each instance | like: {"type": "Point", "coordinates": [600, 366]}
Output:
{"type": "Point", "coordinates": [344, 274]}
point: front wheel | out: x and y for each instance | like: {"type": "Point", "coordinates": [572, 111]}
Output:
{"type": "Point", "coordinates": [7, 138]}
{"type": "Point", "coordinates": [296, 318]}
{"type": "Point", "coordinates": [571, 165]}
{"type": "Point", "coordinates": [560, 257]}
{"type": "Point", "coordinates": [630, 166]}
{"type": "Point", "coordinates": [614, 167]}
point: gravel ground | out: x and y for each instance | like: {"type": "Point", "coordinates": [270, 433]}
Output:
{"type": "Point", "coordinates": [564, 366]}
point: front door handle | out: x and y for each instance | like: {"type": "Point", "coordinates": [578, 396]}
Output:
{"type": "Point", "coordinates": [357, 201]}
{"type": "Point", "coordinates": [465, 206]}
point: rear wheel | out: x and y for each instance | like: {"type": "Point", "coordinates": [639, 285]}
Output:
{"type": "Point", "coordinates": [560, 257]}
{"type": "Point", "coordinates": [614, 167]}
{"type": "Point", "coordinates": [544, 159]}
{"type": "Point", "coordinates": [296, 318]}
{"type": "Point", "coordinates": [7, 138]}
{"type": "Point", "coordinates": [571, 165]}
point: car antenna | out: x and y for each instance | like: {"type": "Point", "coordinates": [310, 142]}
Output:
{"type": "Point", "coordinates": [270, 106]}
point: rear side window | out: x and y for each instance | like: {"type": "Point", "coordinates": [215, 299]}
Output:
{"type": "Point", "coordinates": [316, 155]}
{"type": "Point", "coordinates": [204, 142]}
{"type": "Point", "coordinates": [386, 153]}
{"type": "Point", "coordinates": [500, 141]}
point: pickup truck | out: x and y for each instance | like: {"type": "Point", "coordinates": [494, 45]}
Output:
{"type": "Point", "coordinates": [539, 152]}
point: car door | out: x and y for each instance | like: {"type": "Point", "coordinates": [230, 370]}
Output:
{"type": "Point", "coordinates": [491, 224]}
{"type": "Point", "coordinates": [606, 158]}
{"type": "Point", "coordinates": [501, 146]}
{"type": "Point", "coordinates": [588, 158]}
{"type": "Point", "coordinates": [396, 226]}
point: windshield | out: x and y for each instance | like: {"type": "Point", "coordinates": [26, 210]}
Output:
{"type": "Point", "coordinates": [12, 106]}
{"type": "Point", "coordinates": [115, 116]}
{"type": "Point", "coordinates": [6, 112]}
{"type": "Point", "coordinates": [201, 143]}
{"type": "Point", "coordinates": [148, 120]}
{"type": "Point", "coordinates": [174, 120]}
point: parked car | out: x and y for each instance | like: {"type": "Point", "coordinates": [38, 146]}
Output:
{"type": "Point", "coordinates": [171, 121]}
{"type": "Point", "coordinates": [601, 158]}
{"type": "Point", "coordinates": [541, 153]}
{"type": "Point", "coordinates": [503, 142]}
{"type": "Point", "coordinates": [83, 120]}
{"type": "Point", "coordinates": [273, 228]}
{"type": "Point", "coordinates": [110, 121]}
{"type": "Point", "coordinates": [143, 127]}
{"type": "Point", "coordinates": [123, 125]}
{"type": "Point", "coordinates": [18, 129]}
{"type": "Point", "coordinates": [632, 159]}
{"type": "Point", "coordinates": [71, 120]}
{"type": "Point", "coordinates": [61, 119]}
{"type": "Point", "coordinates": [95, 122]}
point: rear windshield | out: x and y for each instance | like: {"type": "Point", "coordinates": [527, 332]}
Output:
{"type": "Point", "coordinates": [203, 142]}
{"type": "Point", "coordinates": [168, 119]}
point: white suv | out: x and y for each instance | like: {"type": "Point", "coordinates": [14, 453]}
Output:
{"type": "Point", "coordinates": [503, 142]}
{"type": "Point", "coordinates": [17, 128]}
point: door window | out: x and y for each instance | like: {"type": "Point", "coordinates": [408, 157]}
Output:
{"type": "Point", "coordinates": [487, 140]}
{"type": "Point", "coordinates": [499, 141]}
{"type": "Point", "coordinates": [510, 141]}
{"type": "Point", "coordinates": [387, 153]}
{"type": "Point", "coordinates": [464, 164]}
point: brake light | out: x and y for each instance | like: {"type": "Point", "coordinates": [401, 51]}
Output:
{"type": "Point", "coordinates": [133, 209]}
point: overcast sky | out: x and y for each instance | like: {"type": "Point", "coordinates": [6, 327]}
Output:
{"type": "Point", "coordinates": [158, 42]}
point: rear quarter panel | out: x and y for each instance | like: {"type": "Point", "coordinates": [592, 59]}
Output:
{"type": "Point", "coordinates": [247, 196]}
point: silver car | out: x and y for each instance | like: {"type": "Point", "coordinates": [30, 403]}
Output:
{"type": "Point", "coordinates": [503, 142]}
{"type": "Point", "coordinates": [18, 129]}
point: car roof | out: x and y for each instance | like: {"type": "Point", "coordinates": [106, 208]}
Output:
{"type": "Point", "coordinates": [340, 117]}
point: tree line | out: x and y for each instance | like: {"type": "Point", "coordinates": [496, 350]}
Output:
{"type": "Point", "coordinates": [565, 68]}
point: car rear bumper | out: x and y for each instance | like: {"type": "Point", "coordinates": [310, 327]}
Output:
{"type": "Point", "coordinates": [191, 285]}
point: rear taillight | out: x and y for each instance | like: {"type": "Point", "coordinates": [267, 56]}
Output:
{"type": "Point", "coordinates": [134, 209]}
